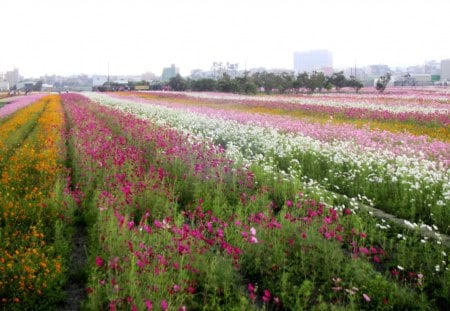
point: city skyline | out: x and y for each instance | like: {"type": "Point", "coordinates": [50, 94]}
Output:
{"type": "Point", "coordinates": [84, 37]}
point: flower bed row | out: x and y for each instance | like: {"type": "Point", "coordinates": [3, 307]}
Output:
{"type": "Point", "coordinates": [33, 237]}
{"type": "Point", "coordinates": [18, 103]}
{"type": "Point", "coordinates": [318, 113]}
{"type": "Point", "coordinates": [397, 143]}
{"type": "Point", "coordinates": [410, 187]}
{"type": "Point", "coordinates": [175, 225]}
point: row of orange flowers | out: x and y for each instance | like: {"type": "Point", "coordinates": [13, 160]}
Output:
{"type": "Point", "coordinates": [32, 175]}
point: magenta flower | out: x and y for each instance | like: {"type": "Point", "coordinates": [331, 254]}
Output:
{"type": "Point", "coordinates": [98, 261]}
{"type": "Point", "coordinates": [364, 250]}
{"type": "Point", "coordinates": [266, 296]}
{"type": "Point", "coordinates": [176, 288]}
{"type": "Point", "coordinates": [148, 305]}
{"type": "Point", "coordinates": [164, 305]}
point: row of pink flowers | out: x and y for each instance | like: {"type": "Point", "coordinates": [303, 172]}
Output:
{"type": "Point", "coordinates": [19, 103]}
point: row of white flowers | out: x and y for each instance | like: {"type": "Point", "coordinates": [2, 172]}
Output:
{"type": "Point", "coordinates": [363, 103]}
{"type": "Point", "coordinates": [348, 164]}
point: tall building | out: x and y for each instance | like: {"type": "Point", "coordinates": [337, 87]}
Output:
{"type": "Point", "coordinates": [445, 69]}
{"type": "Point", "coordinates": [12, 77]}
{"type": "Point", "coordinates": [378, 70]}
{"type": "Point", "coordinates": [169, 72]}
{"type": "Point", "coordinates": [312, 60]}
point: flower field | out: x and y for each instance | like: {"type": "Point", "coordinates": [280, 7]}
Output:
{"type": "Point", "coordinates": [224, 202]}
{"type": "Point", "coordinates": [32, 234]}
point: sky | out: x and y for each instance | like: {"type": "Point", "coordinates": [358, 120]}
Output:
{"type": "Point", "coordinates": [67, 37]}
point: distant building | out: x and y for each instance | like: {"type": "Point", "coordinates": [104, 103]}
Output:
{"type": "Point", "coordinates": [314, 60]}
{"type": "Point", "coordinates": [148, 76]}
{"type": "Point", "coordinates": [47, 87]}
{"type": "Point", "coordinates": [197, 74]}
{"type": "Point", "coordinates": [13, 77]}
{"type": "Point", "coordinates": [169, 72]}
{"type": "Point", "coordinates": [4, 86]}
{"type": "Point", "coordinates": [378, 70]}
{"type": "Point", "coordinates": [99, 80]}
{"type": "Point", "coordinates": [445, 70]}
{"type": "Point", "coordinates": [415, 79]}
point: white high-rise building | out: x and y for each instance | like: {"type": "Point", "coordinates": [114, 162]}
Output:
{"type": "Point", "coordinates": [314, 60]}
{"type": "Point", "coordinates": [12, 77]}
{"type": "Point", "coordinates": [445, 69]}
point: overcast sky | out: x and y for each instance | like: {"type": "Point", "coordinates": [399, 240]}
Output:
{"type": "Point", "coordinates": [135, 36]}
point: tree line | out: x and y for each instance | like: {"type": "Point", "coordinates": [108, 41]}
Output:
{"type": "Point", "coordinates": [267, 82]}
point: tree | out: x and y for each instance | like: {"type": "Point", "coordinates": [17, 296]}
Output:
{"type": "Point", "coordinates": [227, 85]}
{"type": "Point", "coordinates": [316, 81]}
{"type": "Point", "coordinates": [338, 80]}
{"type": "Point", "coordinates": [354, 83]}
{"type": "Point", "coordinates": [383, 82]}
{"type": "Point", "coordinates": [246, 85]}
{"type": "Point", "coordinates": [178, 83]}
{"type": "Point", "coordinates": [205, 84]}
{"type": "Point", "coordinates": [300, 81]}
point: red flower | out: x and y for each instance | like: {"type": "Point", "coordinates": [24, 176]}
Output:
{"type": "Point", "coordinates": [266, 297]}
{"type": "Point", "coordinates": [98, 261]}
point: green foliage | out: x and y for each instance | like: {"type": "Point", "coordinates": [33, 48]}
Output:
{"type": "Point", "coordinates": [382, 82]}
{"type": "Point", "coordinates": [178, 83]}
{"type": "Point", "coordinates": [201, 85]}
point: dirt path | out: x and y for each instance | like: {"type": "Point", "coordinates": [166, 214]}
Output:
{"type": "Point", "coordinates": [76, 284]}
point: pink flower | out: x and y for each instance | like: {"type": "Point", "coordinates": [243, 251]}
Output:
{"type": "Point", "coordinates": [140, 264]}
{"type": "Point", "coordinates": [253, 231]}
{"type": "Point", "coordinates": [98, 261]}
{"type": "Point", "coordinates": [266, 297]}
{"type": "Point", "coordinates": [130, 225]}
{"type": "Point", "coordinates": [164, 305]}
{"type": "Point", "coordinates": [364, 250]}
{"type": "Point", "coordinates": [147, 229]}
{"type": "Point", "coordinates": [289, 203]}
{"type": "Point", "coordinates": [157, 224]}
{"type": "Point", "coordinates": [250, 288]}
{"type": "Point", "coordinates": [148, 305]}
{"type": "Point", "coordinates": [366, 297]}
